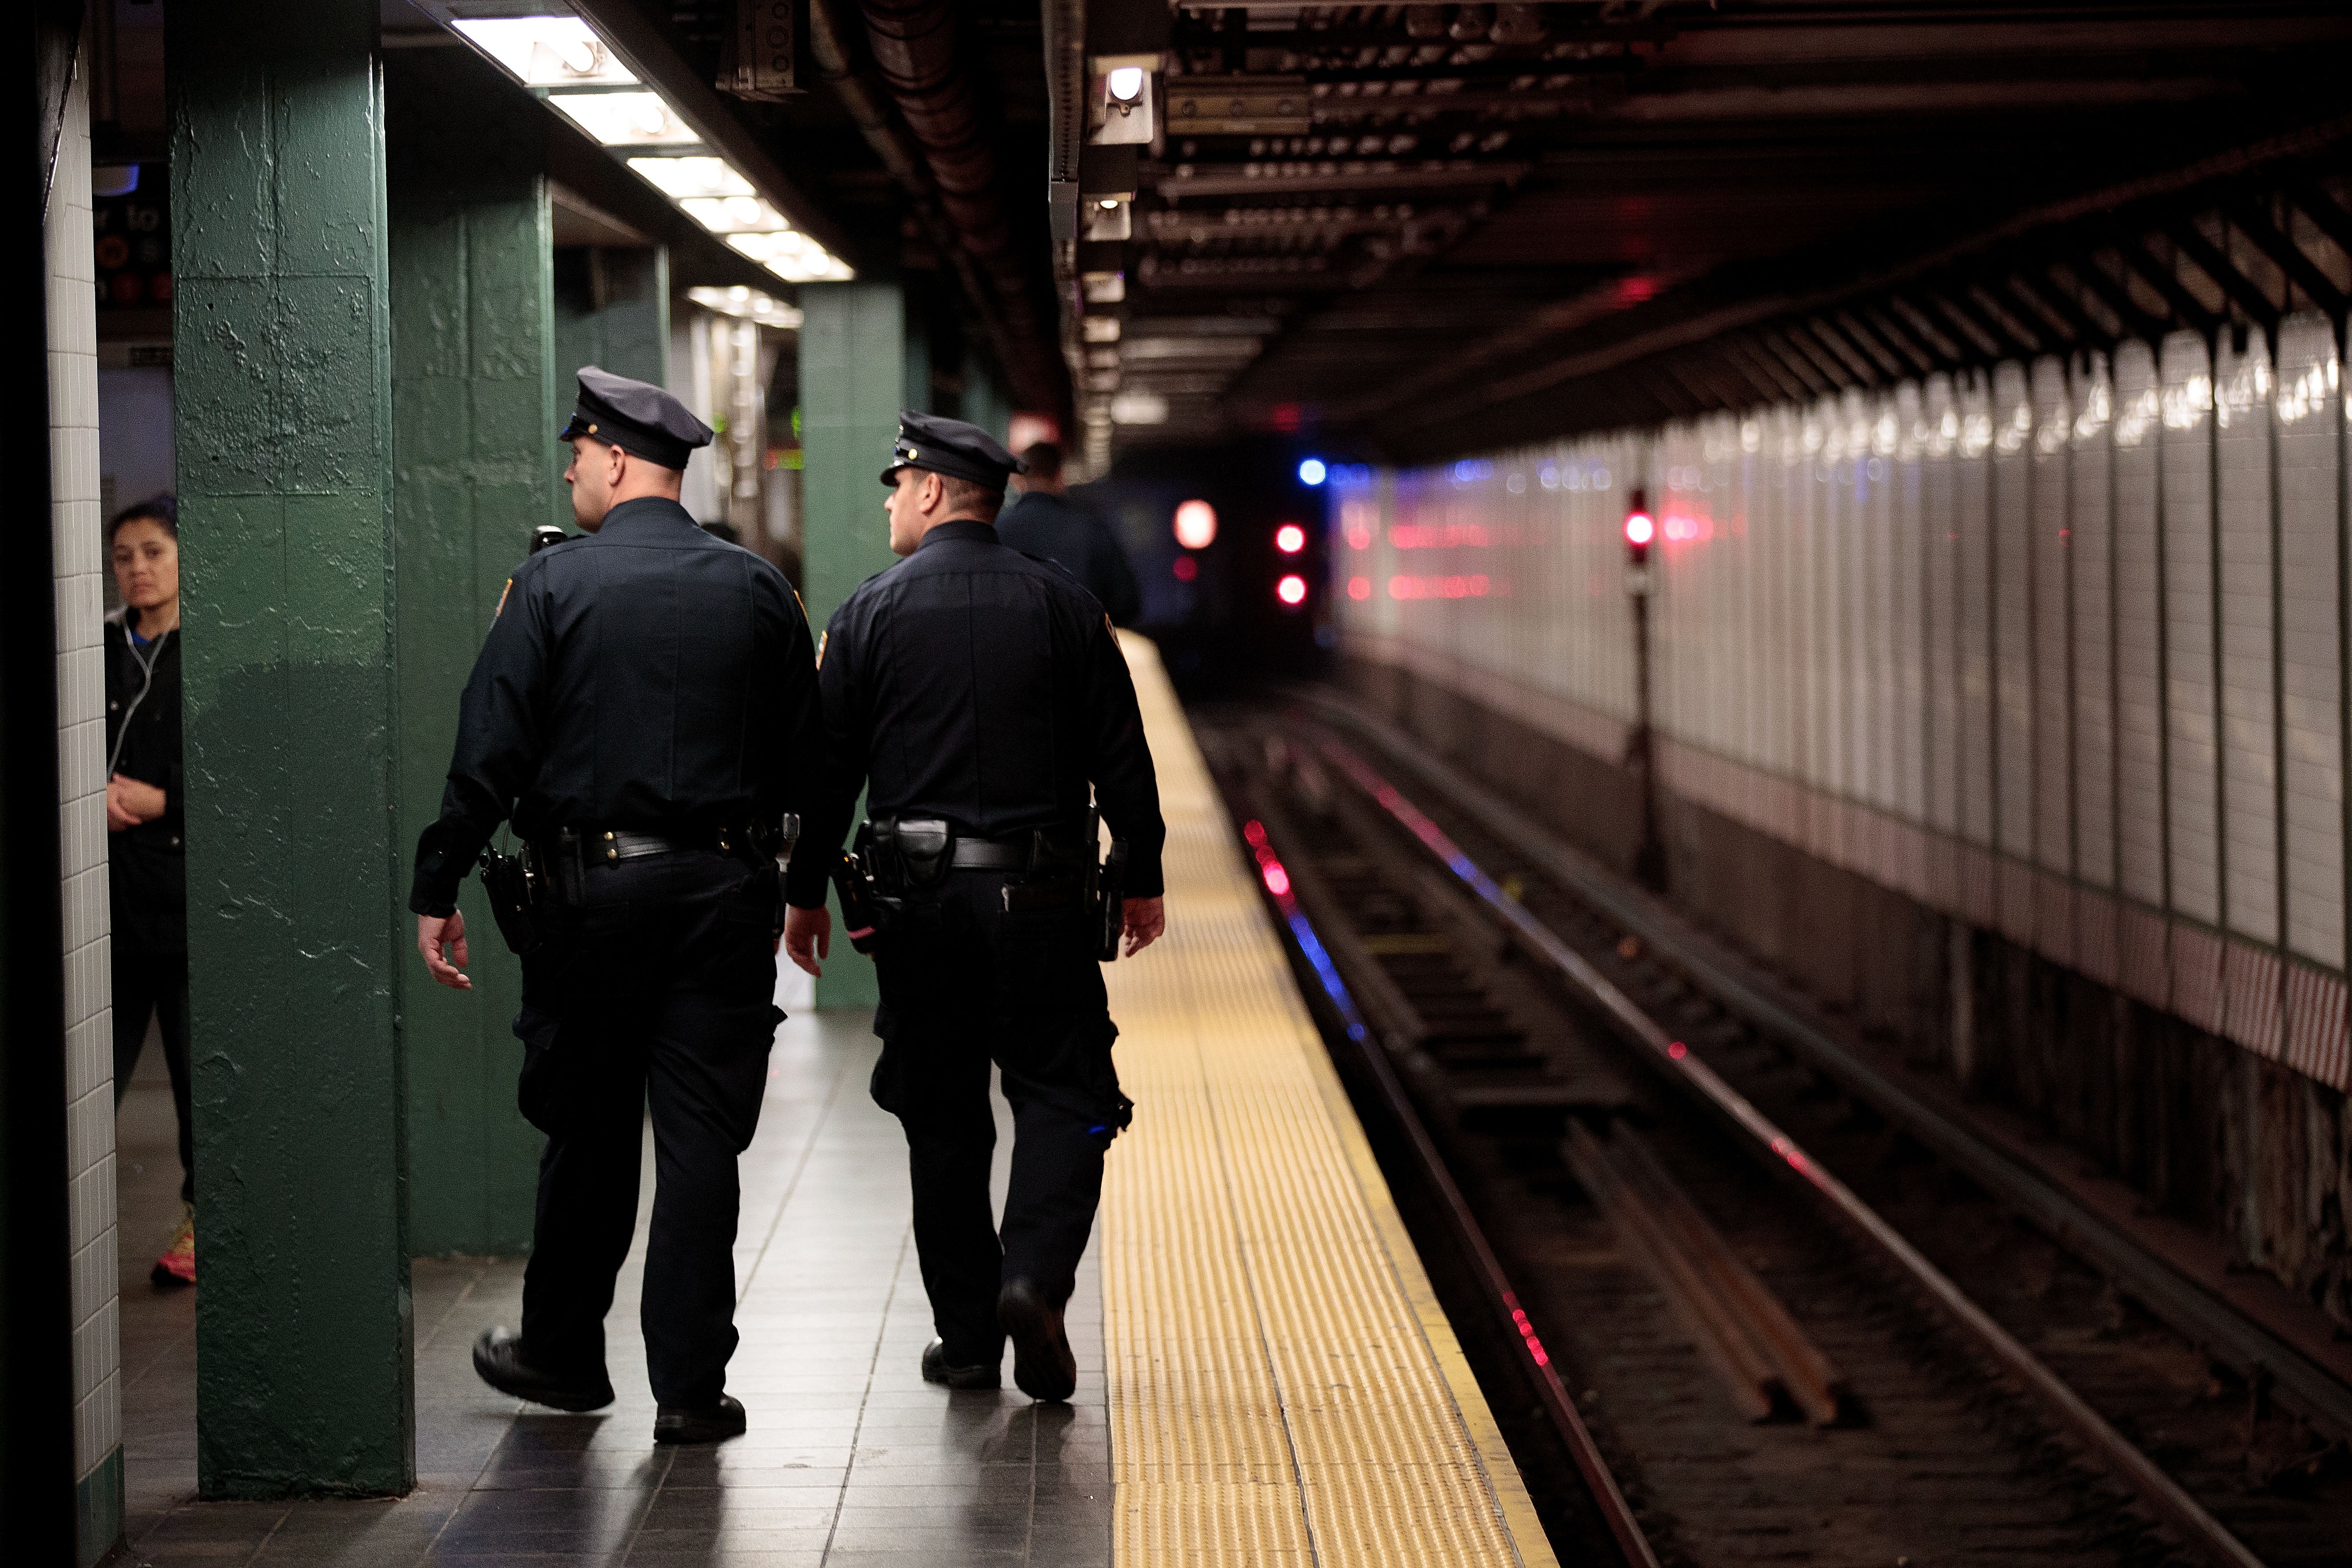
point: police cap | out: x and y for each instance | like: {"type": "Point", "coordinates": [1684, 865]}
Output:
{"type": "Point", "coordinates": [638, 416]}
{"type": "Point", "coordinates": [950, 446]}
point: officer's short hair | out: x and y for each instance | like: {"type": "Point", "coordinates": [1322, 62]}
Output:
{"type": "Point", "coordinates": [962, 492]}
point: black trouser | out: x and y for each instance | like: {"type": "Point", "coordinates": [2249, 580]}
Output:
{"type": "Point", "coordinates": [963, 981]}
{"type": "Point", "coordinates": [658, 989]}
{"type": "Point", "coordinates": [155, 984]}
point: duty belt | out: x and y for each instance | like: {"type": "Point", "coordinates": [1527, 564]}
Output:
{"type": "Point", "coordinates": [999, 855]}
{"type": "Point", "coordinates": [611, 846]}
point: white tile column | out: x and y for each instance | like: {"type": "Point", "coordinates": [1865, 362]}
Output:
{"type": "Point", "coordinates": [81, 807]}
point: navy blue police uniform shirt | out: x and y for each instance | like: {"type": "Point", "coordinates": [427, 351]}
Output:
{"type": "Point", "coordinates": [1080, 542]}
{"type": "Point", "coordinates": [972, 682]}
{"type": "Point", "coordinates": [647, 677]}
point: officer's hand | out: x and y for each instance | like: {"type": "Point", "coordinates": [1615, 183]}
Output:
{"type": "Point", "coordinates": [808, 936]}
{"type": "Point", "coordinates": [432, 931]}
{"type": "Point", "coordinates": [1144, 920]}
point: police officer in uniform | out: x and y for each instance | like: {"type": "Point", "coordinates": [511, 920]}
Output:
{"type": "Point", "coordinates": [978, 693]}
{"type": "Point", "coordinates": [645, 712]}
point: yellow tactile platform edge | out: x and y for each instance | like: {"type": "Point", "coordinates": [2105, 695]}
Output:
{"type": "Point", "coordinates": [1283, 1387]}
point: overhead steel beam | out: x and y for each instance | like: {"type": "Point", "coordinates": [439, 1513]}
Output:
{"type": "Point", "coordinates": [645, 46]}
{"type": "Point", "coordinates": [2256, 224]}
{"type": "Point", "coordinates": [2207, 258]}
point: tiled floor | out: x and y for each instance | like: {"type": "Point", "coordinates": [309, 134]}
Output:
{"type": "Point", "coordinates": [852, 1460]}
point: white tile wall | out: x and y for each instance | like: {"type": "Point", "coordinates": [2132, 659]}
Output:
{"type": "Point", "coordinates": [2090, 523]}
{"type": "Point", "coordinates": [2184, 485]}
{"type": "Point", "coordinates": [2012, 610]}
{"type": "Point", "coordinates": [2048, 567]}
{"type": "Point", "coordinates": [1973, 523]}
{"type": "Point", "coordinates": [75, 527]}
{"type": "Point", "coordinates": [2242, 501]}
{"type": "Point", "coordinates": [2139, 628]}
{"type": "Point", "coordinates": [2088, 615]}
{"type": "Point", "coordinates": [1935, 441]}
{"type": "Point", "coordinates": [2308, 410]}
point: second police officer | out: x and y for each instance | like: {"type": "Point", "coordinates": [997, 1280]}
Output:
{"type": "Point", "coordinates": [980, 696]}
{"type": "Point", "coordinates": [643, 711]}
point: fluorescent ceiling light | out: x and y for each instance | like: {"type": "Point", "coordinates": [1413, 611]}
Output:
{"type": "Point", "coordinates": [1139, 407]}
{"type": "Point", "coordinates": [626, 119]}
{"type": "Point", "coordinates": [546, 51]}
{"type": "Point", "coordinates": [678, 178]}
{"type": "Point", "coordinates": [1099, 329]}
{"type": "Point", "coordinates": [795, 257]}
{"type": "Point", "coordinates": [735, 214]}
{"type": "Point", "coordinates": [748, 304]}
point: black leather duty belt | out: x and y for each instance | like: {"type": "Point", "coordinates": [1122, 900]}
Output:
{"type": "Point", "coordinates": [1008, 857]}
{"type": "Point", "coordinates": [610, 847]}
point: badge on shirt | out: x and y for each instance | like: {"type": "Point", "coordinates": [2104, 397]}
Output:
{"type": "Point", "coordinates": [503, 599]}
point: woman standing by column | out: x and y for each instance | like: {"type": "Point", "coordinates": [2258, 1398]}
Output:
{"type": "Point", "coordinates": [147, 859]}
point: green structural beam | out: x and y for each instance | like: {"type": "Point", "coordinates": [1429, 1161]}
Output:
{"type": "Point", "coordinates": [474, 468]}
{"type": "Point", "coordinates": [855, 375]}
{"type": "Point", "coordinates": [282, 349]}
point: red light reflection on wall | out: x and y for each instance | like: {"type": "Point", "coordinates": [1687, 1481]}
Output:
{"type": "Point", "coordinates": [1359, 587]}
{"type": "Point", "coordinates": [1186, 568]}
{"type": "Point", "coordinates": [1477, 586]}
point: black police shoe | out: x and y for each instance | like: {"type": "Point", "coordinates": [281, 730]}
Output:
{"type": "Point", "coordinates": [497, 1357]}
{"type": "Point", "coordinates": [1043, 1366]}
{"type": "Point", "coordinates": [715, 1425]}
{"type": "Point", "coordinates": [938, 1369]}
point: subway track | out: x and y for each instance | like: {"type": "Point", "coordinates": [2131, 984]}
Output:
{"type": "Point", "coordinates": [1764, 1380]}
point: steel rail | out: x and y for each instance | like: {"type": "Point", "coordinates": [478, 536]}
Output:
{"type": "Point", "coordinates": [2159, 1491]}
{"type": "Point", "coordinates": [2211, 1324]}
{"type": "Point", "coordinates": [1607, 1496]}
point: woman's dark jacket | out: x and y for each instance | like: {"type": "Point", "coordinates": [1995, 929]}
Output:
{"type": "Point", "coordinates": [147, 865]}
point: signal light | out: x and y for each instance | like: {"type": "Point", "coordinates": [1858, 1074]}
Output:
{"type": "Point", "coordinates": [1196, 524]}
{"type": "Point", "coordinates": [1639, 529]}
{"type": "Point", "coordinates": [1290, 539]}
{"type": "Point", "coordinates": [1313, 472]}
{"type": "Point", "coordinates": [1291, 589]}
{"type": "Point", "coordinates": [1187, 567]}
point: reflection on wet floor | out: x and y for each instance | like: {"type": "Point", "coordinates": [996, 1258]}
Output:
{"type": "Point", "coordinates": [852, 1460]}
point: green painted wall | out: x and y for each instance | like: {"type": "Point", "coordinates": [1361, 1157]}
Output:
{"type": "Point", "coordinates": [475, 467]}
{"type": "Point", "coordinates": [854, 374]}
{"type": "Point", "coordinates": [627, 332]}
{"type": "Point", "coordinates": [282, 354]}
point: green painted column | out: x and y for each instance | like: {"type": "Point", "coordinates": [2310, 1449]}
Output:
{"type": "Point", "coordinates": [304, 1357]}
{"type": "Point", "coordinates": [853, 359]}
{"type": "Point", "coordinates": [475, 467]}
{"type": "Point", "coordinates": [611, 309]}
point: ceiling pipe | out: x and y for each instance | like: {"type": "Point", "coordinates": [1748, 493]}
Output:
{"type": "Point", "coordinates": [914, 47]}
{"type": "Point", "coordinates": [869, 104]}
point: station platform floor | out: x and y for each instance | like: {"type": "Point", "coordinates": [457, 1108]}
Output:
{"type": "Point", "coordinates": [1264, 1376]}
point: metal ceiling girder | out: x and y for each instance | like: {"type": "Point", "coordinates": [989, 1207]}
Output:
{"type": "Point", "coordinates": [1818, 376]}
{"type": "Point", "coordinates": [2131, 250]}
{"type": "Point", "coordinates": [2208, 258]}
{"type": "Point", "coordinates": [1759, 368]}
{"type": "Point", "coordinates": [2247, 216]}
{"type": "Point", "coordinates": [1863, 317]}
{"type": "Point", "coordinates": [1856, 363]}
{"type": "Point", "coordinates": [2052, 306]}
{"type": "Point", "coordinates": [2327, 217]}
{"type": "Point", "coordinates": [1859, 336]}
{"type": "Point", "coordinates": [2113, 292]}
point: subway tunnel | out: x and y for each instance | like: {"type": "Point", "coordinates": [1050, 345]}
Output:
{"type": "Point", "coordinates": [1741, 608]}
